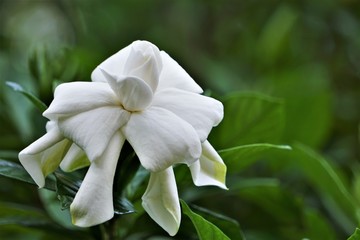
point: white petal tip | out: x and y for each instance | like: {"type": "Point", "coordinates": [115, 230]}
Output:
{"type": "Point", "coordinates": [83, 219]}
{"type": "Point", "coordinates": [223, 186]}
{"type": "Point", "coordinates": [210, 182]}
{"type": "Point", "coordinates": [167, 220]}
{"type": "Point", "coordinates": [41, 184]}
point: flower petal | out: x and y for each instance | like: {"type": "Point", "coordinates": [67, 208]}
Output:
{"type": "Point", "coordinates": [115, 64]}
{"type": "Point", "coordinates": [174, 76]}
{"type": "Point", "coordinates": [144, 62]}
{"type": "Point", "coordinates": [74, 159]}
{"type": "Point", "coordinates": [93, 203]}
{"type": "Point", "coordinates": [210, 169]}
{"type": "Point", "coordinates": [200, 111]}
{"type": "Point", "coordinates": [161, 139]}
{"type": "Point", "coordinates": [92, 130]}
{"type": "Point", "coordinates": [140, 59]}
{"type": "Point", "coordinates": [161, 200]}
{"type": "Point", "coordinates": [133, 93]}
{"type": "Point", "coordinates": [76, 97]}
{"type": "Point", "coordinates": [43, 156]}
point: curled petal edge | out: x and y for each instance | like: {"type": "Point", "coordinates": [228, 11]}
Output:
{"type": "Point", "coordinates": [209, 169]}
{"type": "Point", "coordinates": [161, 201]}
{"type": "Point", "coordinates": [43, 156]}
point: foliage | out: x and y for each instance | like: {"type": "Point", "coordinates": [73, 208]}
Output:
{"type": "Point", "coordinates": [286, 72]}
{"type": "Point", "coordinates": [205, 229]}
{"type": "Point", "coordinates": [356, 235]}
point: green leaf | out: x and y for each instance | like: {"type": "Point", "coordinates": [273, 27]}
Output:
{"type": "Point", "coordinates": [228, 225]}
{"type": "Point", "coordinates": [205, 229]}
{"type": "Point", "coordinates": [135, 189]}
{"type": "Point", "coordinates": [37, 102]}
{"type": "Point", "coordinates": [123, 206]}
{"type": "Point", "coordinates": [67, 185]}
{"type": "Point", "coordinates": [356, 235]}
{"type": "Point", "coordinates": [340, 203]}
{"type": "Point", "coordinates": [318, 226]}
{"type": "Point", "coordinates": [18, 172]}
{"type": "Point", "coordinates": [249, 118]}
{"type": "Point", "coordinates": [245, 183]}
{"type": "Point", "coordinates": [237, 158]}
{"type": "Point", "coordinates": [126, 169]}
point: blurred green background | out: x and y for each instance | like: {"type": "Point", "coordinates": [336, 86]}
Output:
{"type": "Point", "coordinates": [305, 55]}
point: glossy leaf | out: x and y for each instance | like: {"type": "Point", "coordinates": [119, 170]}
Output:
{"type": "Point", "coordinates": [136, 188]}
{"type": "Point", "coordinates": [16, 171]}
{"type": "Point", "coordinates": [237, 158]}
{"type": "Point", "coordinates": [37, 102]}
{"type": "Point", "coordinates": [126, 170]}
{"type": "Point", "coordinates": [228, 225]}
{"type": "Point", "coordinates": [249, 118]}
{"type": "Point", "coordinates": [123, 206]}
{"type": "Point", "coordinates": [205, 229]}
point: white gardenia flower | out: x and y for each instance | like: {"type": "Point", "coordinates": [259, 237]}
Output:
{"type": "Point", "coordinates": [141, 95]}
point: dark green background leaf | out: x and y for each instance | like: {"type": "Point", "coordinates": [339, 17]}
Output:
{"type": "Point", "coordinates": [308, 110]}
{"type": "Point", "coordinates": [11, 213]}
{"type": "Point", "coordinates": [317, 171]}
